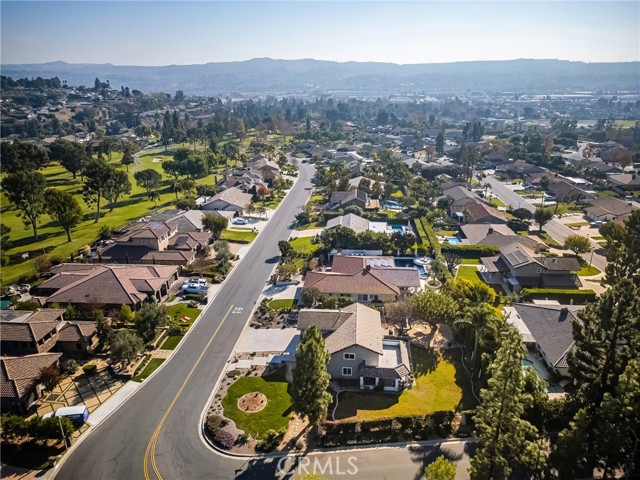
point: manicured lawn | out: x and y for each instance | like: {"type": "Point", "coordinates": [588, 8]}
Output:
{"type": "Point", "coordinates": [605, 193]}
{"type": "Point", "coordinates": [181, 310]}
{"type": "Point", "coordinates": [282, 303]}
{"type": "Point", "coordinates": [242, 236]}
{"type": "Point", "coordinates": [274, 416]}
{"type": "Point", "coordinates": [171, 342]}
{"type": "Point", "coordinates": [470, 261]}
{"type": "Point", "coordinates": [312, 225]}
{"type": "Point", "coordinates": [303, 245]}
{"type": "Point", "coordinates": [397, 194]}
{"type": "Point", "coordinates": [151, 367]}
{"type": "Point", "coordinates": [471, 274]}
{"type": "Point", "coordinates": [441, 384]}
{"type": "Point", "coordinates": [446, 233]}
{"type": "Point", "coordinates": [577, 224]}
{"type": "Point", "coordinates": [496, 202]}
{"type": "Point", "coordinates": [587, 271]}
{"type": "Point", "coordinates": [52, 239]}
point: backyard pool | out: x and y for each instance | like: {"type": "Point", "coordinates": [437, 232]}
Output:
{"type": "Point", "coordinates": [5, 303]}
{"type": "Point", "coordinates": [408, 262]}
{"type": "Point", "coordinates": [391, 205]}
{"type": "Point", "coordinates": [397, 228]}
{"type": "Point", "coordinates": [452, 240]}
{"type": "Point", "coordinates": [526, 363]}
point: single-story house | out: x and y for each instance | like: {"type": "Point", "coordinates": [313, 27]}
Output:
{"type": "Point", "coordinates": [355, 197]}
{"type": "Point", "coordinates": [107, 286]}
{"type": "Point", "coordinates": [19, 379]}
{"type": "Point", "coordinates": [608, 208]}
{"type": "Point", "coordinates": [549, 328]}
{"type": "Point", "coordinates": [625, 181]}
{"type": "Point", "coordinates": [519, 267]}
{"type": "Point", "coordinates": [495, 234]}
{"type": "Point", "coordinates": [355, 339]}
{"type": "Point", "coordinates": [232, 199]}
{"type": "Point", "coordinates": [476, 211]}
{"type": "Point", "coordinates": [359, 225]}
{"type": "Point", "coordinates": [364, 279]}
{"type": "Point", "coordinates": [566, 192]}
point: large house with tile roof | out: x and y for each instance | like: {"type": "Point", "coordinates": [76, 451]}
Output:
{"type": "Point", "coordinates": [364, 279]}
{"type": "Point", "coordinates": [359, 350]}
{"type": "Point", "coordinates": [107, 286]}
{"type": "Point", "coordinates": [19, 377]}
{"type": "Point", "coordinates": [231, 199]}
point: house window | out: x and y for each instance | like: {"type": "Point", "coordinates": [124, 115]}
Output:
{"type": "Point", "coordinates": [349, 356]}
{"type": "Point", "coordinates": [78, 346]}
{"type": "Point", "coordinates": [347, 371]}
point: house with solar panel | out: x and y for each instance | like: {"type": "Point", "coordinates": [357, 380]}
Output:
{"type": "Point", "coordinates": [519, 267]}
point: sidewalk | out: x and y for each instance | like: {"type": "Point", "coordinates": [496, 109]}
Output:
{"type": "Point", "coordinates": [104, 410]}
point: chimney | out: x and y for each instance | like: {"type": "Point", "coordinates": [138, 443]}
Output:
{"type": "Point", "coordinates": [490, 230]}
{"type": "Point", "coordinates": [564, 311]}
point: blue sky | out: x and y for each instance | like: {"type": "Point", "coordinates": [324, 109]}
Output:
{"type": "Point", "coordinates": [162, 33]}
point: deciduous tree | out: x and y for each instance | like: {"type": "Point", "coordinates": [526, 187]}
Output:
{"type": "Point", "coordinates": [434, 308]}
{"type": "Point", "coordinates": [148, 319]}
{"type": "Point", "coordinates": [149, 179]}
{"type": "Point", "coordinates": [19, 156]}
{"type": "Point", "coordinates": [440, 469]}
{"type": "Point", "coordinates": [124, 347]}
{"type": "Point", "coordinates": [63, 208]}
{"type": "Point", "coordinates": [577, 244]}
{"type": "Point", "coordinates": [26, 191]}
{"type": "Point", "coordinates": [542, 216]}
{"type": "Point", "coordinates": [215, 224]}
{"type": "Point", "coordinates": [71, 155]}
{"type": "Point", "coordinates": [118, 186]}
{"type": "Point", "coordinates": [98, 179]}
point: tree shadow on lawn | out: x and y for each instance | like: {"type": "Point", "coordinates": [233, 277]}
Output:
{"type": "Point", "coordinates": [467, 400]}
{"type": "Point", "coordinates": [350, 402]}
{"type": "Point", "coordinates": [424, 456]}
{"type": "Point", "coordinates": [425, 360]}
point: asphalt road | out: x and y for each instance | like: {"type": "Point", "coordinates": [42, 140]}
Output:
{"type": "Point", "coordinates": [555, 229]}
{"type": "Point", "coordinates": [156, 433]}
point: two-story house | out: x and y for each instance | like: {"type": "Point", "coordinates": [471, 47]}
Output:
{"type": "Point", "coordinates": [364, 279]}
{"type": "Point", "coordinates": [359, 351]}
{"type": "Point", "coordinates": [519, 267]}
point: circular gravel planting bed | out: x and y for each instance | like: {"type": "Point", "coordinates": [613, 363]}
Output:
{"type": "Point", "coordinates": [252, 402]}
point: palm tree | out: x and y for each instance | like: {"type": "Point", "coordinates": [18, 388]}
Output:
{"type": "Point", "coordinates": [483, 319]}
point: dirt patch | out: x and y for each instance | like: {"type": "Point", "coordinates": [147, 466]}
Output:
{"type": "Point", "coordinates": [252, 402]}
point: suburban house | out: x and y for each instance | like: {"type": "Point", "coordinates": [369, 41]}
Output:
{"type": "Point", "coordinates": [264, 167]}
{"type": "Point", "coordinates": [355, 197]}
{"type": "Point", "coordinates": [467, 206]}
{"type": "Point", "coordinates": [359, 351]}
{"type": "Point", "coordinates": [364, 279]}
{"type": "Point", "coordinates": [106, 286]}
{"type": "Point", "coordinates": [520, 267]}
{"type": "Point", "coordinates": [19, 379]}
{"type": "Point", "coordinates": [158, 243]}
{"type": "Point", "coordinates": [232, 199]}
{"type": "Point", "coordinates": [625, 181]}
{"type": "Point", "coordinates": [245, 180]}
{"type": "Point", "coordinates": [566, 192]}
{"type": "Point", "coordinates": [28, 332]}
{"type": "Point", "coordinates": [359, 225]}
{"type": "Point", "coordinates": [548, 328]}
{"type": "Point", "coordinates": [606, 209]}
{"type": "Point", "coordinates": [495, 234]}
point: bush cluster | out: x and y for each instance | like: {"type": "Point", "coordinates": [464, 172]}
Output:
{"type": "Point", "coordinates": [215, 429]}
{"type": "Point", "coordinates": [89, 368]}
{"type": "Point", "coordinates": [271, 440]}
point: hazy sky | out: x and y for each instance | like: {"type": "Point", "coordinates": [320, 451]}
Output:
{"type": "Point", "coordinates": [161, 33]}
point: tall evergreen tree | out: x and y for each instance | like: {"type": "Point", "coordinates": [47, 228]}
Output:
{"type": "Point", "coordinates": [98, 178]}
{"type": "Point", "coordinates": [63, 208]}
{"type": "Point", "coordinates": [440, 144]}
{"type": "Point", "coordinates": [118, 186]}
{"type": "Point", "coordinates": [505, 441]}
{"type": "Point", "coordinates": [623, 250]}
{"type": "Point", "coordinates": [311, 378]}
{"type": "Point", "coordinates": [26, 191]}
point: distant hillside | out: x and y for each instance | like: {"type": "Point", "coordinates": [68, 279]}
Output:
{"type": "Point", "coordinates": [264, 75]}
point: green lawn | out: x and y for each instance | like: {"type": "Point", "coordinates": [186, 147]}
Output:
{"type": "Point", "coordinates": [446, 233]}
{"type": "Point", "coordinates": [397, 194]}
{"type": "Point", "coordinates": [241, 236]}
{"type": "Point", "coordinates": [282, 303]}
{"type": "Point", "coordinates": [312, 225]}
{"type": "Point", "coordinates": [625, 123]}
{"type": "Point", "coordinates": [587, 271]}
{"type": "Point", "coordinates": [470, 261]}
{"type": "Point", "coordinates": [274, 416]}
{"type": "Point", "coordinates": [52, 239]}
{"type": "Point", "coordinates": [441, 384]}
{"type": "Point", "coordinates": [151, 367]}
{"type": "Point", "coordinates": [605, 193]}
{"type": "Point", "coordinates": [577, 225]}
{"type": "Point", "coordinates": [303, 245]}
{"type": "Point", "coordinates": [496, 202]}
{"type": "Point", "coordinates": [181, 310]}
{"type": "Point", "coordinates": [471, 274]}
{"type": "Point", "coordinates": [171, 342]}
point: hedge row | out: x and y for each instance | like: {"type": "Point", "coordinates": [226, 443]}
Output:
{"type": "Point", "coordinates": [431, 236]}
{"type": "Point", "coordinates": [562, 295]}
{"type": "Point", "coordinates": [382, 431]}
{"type": "Point", "coordinates": [421, 235]}
{"type": "Point", "coordinates": [472, 251]}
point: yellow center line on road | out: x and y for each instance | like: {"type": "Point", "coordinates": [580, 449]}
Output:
{"type": "Point", "coordinates": [150, 452]}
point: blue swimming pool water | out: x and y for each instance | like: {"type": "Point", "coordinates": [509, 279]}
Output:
{"type": "Point", "coordinates": [391, 205]}
{"type": "Point", "coordinates": [526, 363]}
{"type": "Point", "coordinates": [453, 240]}
{"type": "Point", "coordinates": [5, 303]}
{"type": "Point", "coordinates": [397, 228]}
{"type": "Point", "coordinates": [408, 262]}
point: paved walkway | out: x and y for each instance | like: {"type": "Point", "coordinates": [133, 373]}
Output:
{"type": "Point", "coordinates": [311, 232]}
{"type": "Point", "coordinates": [113, 403]}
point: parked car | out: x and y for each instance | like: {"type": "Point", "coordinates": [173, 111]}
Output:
{"type": "Point", "coordinates": [195, 281]}
{"type": "Point", "coordinates": [240, 221]}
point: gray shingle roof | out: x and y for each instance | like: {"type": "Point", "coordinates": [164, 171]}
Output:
{"type": "Point", "coordinates": [551, 326]}
{"type": "Point", "coordinates": [352, 221]}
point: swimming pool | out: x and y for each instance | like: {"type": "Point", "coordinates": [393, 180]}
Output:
{"type": "Point", "coordinates": [408, 262]}
{"type": "Point", "coordinates": [5, 303]}
{"type": "Point", "coordinates": [526, 363]}
{"type": "Point", "coordinates": [391, 205]}
{"type": "Point", "coordinates": [397, 228]}
{"type": "Point", "coordinates": [452, 240]}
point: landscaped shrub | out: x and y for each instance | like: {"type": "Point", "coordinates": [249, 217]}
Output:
{"type": "Point", "coordinates": [472, 251]}
{"type": "Point", "coordinates": [222, 438]}
{"type": "Point", "coordinates": [89, 368]}
{"type": "Point", "coordinates": [70, 366]}
{"type": "Point", "coordinates": [442, 422]}
{"type": "Point", "coordinates": [216, 421]}
{"type": "Point", "coordinates": [562, 295]}
{"type": "Point", "coordinates": [271, 440]}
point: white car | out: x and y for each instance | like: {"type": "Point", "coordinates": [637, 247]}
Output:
{"type": "Point", "coordinates": [195, 281]}
{"type": "Point", "coordinates": [195, 288]}
{"type": "Point", "coordinates": [240, 221]}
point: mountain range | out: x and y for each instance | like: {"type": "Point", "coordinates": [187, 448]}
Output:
{"type": "Point", "coordinates": [269, 76]}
